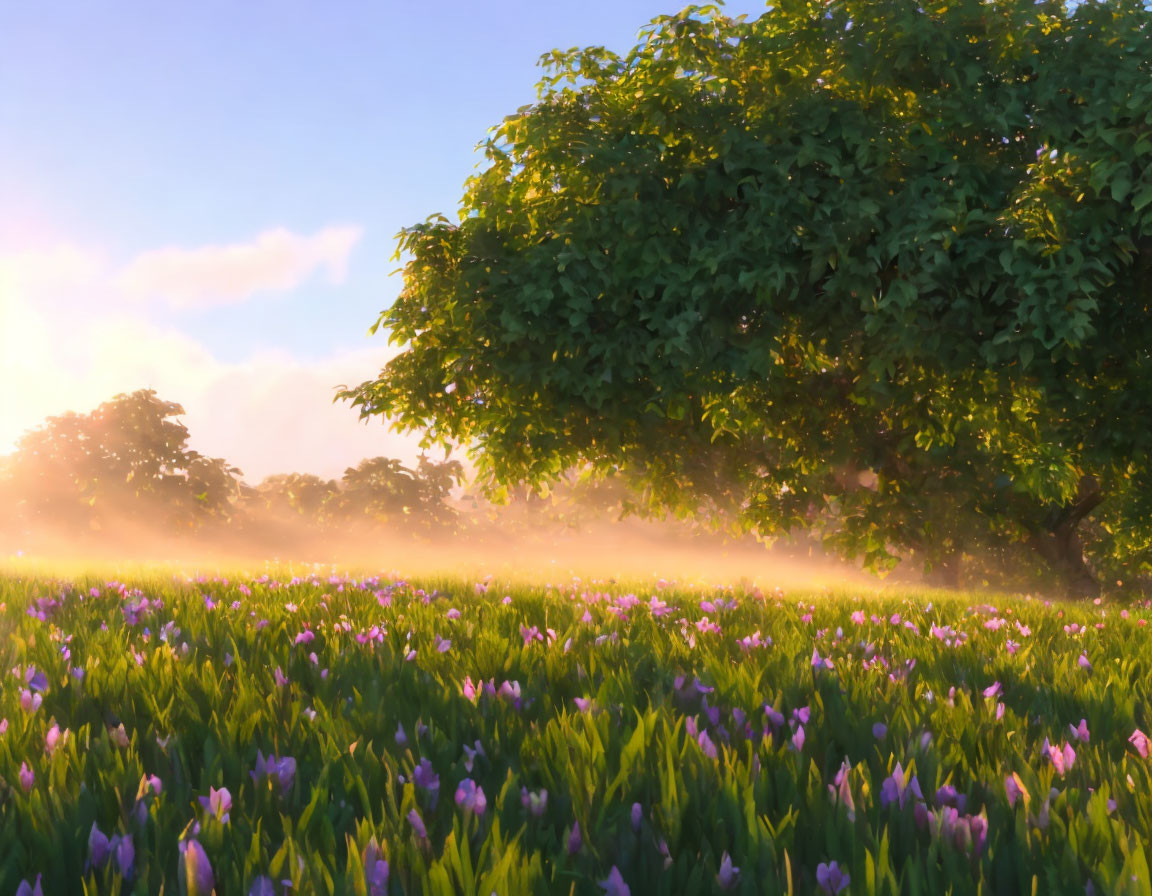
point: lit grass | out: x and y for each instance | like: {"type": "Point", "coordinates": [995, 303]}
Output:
{"type": "Point", "coordinates": [709, 769]}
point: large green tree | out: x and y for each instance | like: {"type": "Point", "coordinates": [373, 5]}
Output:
{"type": "Point", "coordinates": [881, 267]}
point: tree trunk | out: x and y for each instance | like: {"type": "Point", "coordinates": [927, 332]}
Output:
{"type": "Point", "coordinates": [947, 572]}
{"type": "Point", "coordinates": [1062, 547]}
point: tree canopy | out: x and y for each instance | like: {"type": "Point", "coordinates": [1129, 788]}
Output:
{"type": "Point", "coordinates": [126, 457]}
{"type": "Point", "coordinates": [880, 267]}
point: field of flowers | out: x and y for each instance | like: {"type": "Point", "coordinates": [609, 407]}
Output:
{"type": "Point", "coordinates": [370, 736]}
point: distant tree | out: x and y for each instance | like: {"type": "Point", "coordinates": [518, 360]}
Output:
{"type": "Point", "coordinates": [382, 489]}
{"type": "Point", "coordinates": [128, 456]}
{"type": "Point", "coordinates": [300, 493]}
{"type": "Point", "coordinates": [879, 267]}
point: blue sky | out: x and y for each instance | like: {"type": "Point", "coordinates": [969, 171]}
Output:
{"type": "Point", "coordinates": [131, 128]}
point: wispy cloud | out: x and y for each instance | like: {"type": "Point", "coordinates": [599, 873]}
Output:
{"type": "Point", "coordinates": [210, 276]}
{"type": "Point", "coordinates": [68, 343]}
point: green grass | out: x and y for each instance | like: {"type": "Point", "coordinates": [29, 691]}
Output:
{"type": "Point", "coordinates": [196, 691]}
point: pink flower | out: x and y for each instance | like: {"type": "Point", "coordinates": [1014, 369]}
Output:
{"type": "Point", "coordinates": [1084, 663]}
{"type": "Point", "coordinates": [218, 803]}
{"type": "Point", "coordinates": [470, 797]}
{"type": "Point", "coordinates": [818, 662]}
{"type": "Point", "coordinates": [614, 884]}
{"type": "Point", "coordinates": [858, 617]}
{"type": "Point", "coordinates": [1140, 743]}
{"type": "Point", "coordinates": [1080, 732]}
{"type": "Point", "coordinates": [841, 790]}
{"type": "Point", "coordinates": [1062, 758]}
{"type": "Point", "coordinates": [798, 738]}
{"type": "Point", "coordinates": [52, 739]}
{"type": "Point", "coordinates": [27, 777]}
{"type": "Point", "coordinates": [30, 702]}
{"type": "Point", "coordinates": [993, 690]}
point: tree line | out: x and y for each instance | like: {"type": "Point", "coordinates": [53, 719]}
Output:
{"type": "Point", "coordinates": [129, 461]}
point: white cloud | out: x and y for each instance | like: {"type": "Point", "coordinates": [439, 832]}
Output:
{"type": "Point", "coordinates": [67, 344]}
{"type": "Point", "coordinates": [211, 276]}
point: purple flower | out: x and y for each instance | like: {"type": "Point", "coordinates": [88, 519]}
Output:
{"type": "Point", "coordinates": [470, 797]}
{"type": "Point", "coordinates": [879, 730]}
{"type": "Point", "coordinates": [262, 886]}
{"type": "Point", "coordinates": [124, 852]}
{"type": "Point", "coordinates": [30, 702]}
{"type": "Point", "coordinates": [798, 738]}
{"type": "Point", "coordinates": [98, 847]}
{"type": "Point", "coordinates": [27, 889]}
{"type": "Point", "coordinates": [1080, 732]}
{"type": "Point", "coordinates": [637, 815]}
{"type": "Point", "coordinates": [709, 748]}
{"type": "Point", "coordinates": [195, 871]}
{"type": "Point", "coordinates": [375, 869]}
{"type": "Point", "coordinates": [728, 874]}
{"type": "Point", "coordinates": [820, 663]}
{"type": "Point", "coordinates": [830, 878]}
{"type": "Point", "coordinates": [947, 795]}
{"type": "Point", "coordinates": [35, 679]}
{"type": "Point", "coordinates": [281, 679]}
{"type": "Point", "coordinates": [1014, 787]}
{"type": "Point", "coordinates": [535, 803]}
{"type": "Point", "coordinates": [400, 736]}
{"type": "Point", "coordinates": [218, 803]}
{"type": "Point", "coordinates": [417, 823]}
{"type": "Point", "coordinates": [1084, 662]}
{"type": "Point", "coordinates": [967, 833]}
{"type": "Point", "coordinates": [575, 840]}
{"type": "Point", "coordinates": [443, 645]}
{"type": "Point", "coordinates": [897, 787]}
{"type": "Point", "coordinates": [282, 770]}
{"type": "Point", "coordinates": [27, 777]}
{"type": "Point", "coordinates": [614, 884]}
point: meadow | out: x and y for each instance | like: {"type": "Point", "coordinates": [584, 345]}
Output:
{"type": "Point", "coordinates": [328, 734]}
